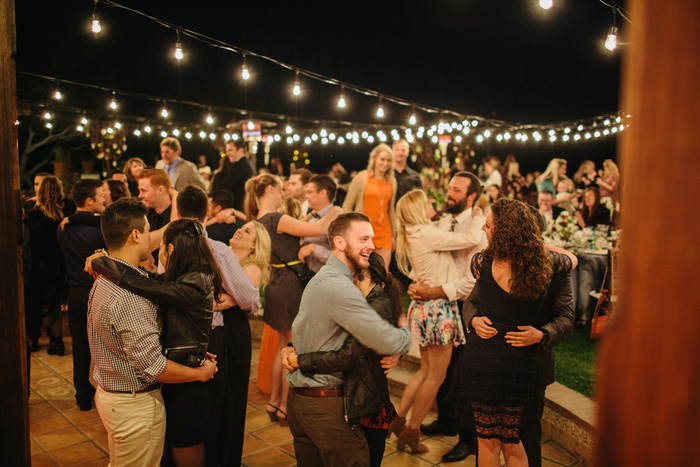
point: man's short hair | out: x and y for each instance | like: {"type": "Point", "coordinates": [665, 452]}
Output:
{"type": "Point", "coordinates": [192, 202]}
{"type": "Point", "coordinates": [172, 143]}
{"type": "Point", "coordinates": [546, 192]}
{"type": "Point", "coordinates": [342, 223]}
{"type": "Point", "coordinates": [304, 174]}
{"type": "Point", "coordinates": [83, 189]}
{"type": "Point", "coordinates": [221, 198]}
{"type": "Point", "coordinates": [157, 177]}
{"type": "Point", "coordinates": [474, 186]}
{"type": "Point", "coordinates": [324, 182]}
{"type": "Point", "coordinates": [120, 219]}
{"type": "Point", "coordinates": [239, 144]}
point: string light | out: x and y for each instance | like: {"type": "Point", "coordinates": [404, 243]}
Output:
{"type": "Point", "coordinates": [296, 90]}
{"type": "Point", "coordinates": [176, 132]}
{"type": "Point", "coordinates": [113, 103]}
{"type": "Point", "coordinates": [245, 73]}
{"type": "Point", "coordinates": [288, 129]}
{"type": "Point", "coordinates": [147, 129]}
{"type": "Point", "coordinates": [117, 125]}
{"type": "Point", "coordinates": [209, 119]}
{"type": "Point", "coordinates": [137, 132]}
{"type": "Point", "coordinates": [546, 4]}
{"type": "Point", "coordinates": [179, 55]}
{"type": "Point", "coordinates": [341, 100]}
{"type": "Point", "coordinates": [611, 40]}
{"type": "Point", "coordinates": [84, 121]}
{"type": "Point", "coordinates": [57, 95]}
{"type": "Point", "coordinates": [47, 115]}
{"type": "Point", "coordinates": [251, 125]}
{"type": "Point", "coordinates": [380, 109]}
{"type": "Point", "coordinates": [164, 112]}
{"type": "Point", "coordinates": [96, 26]}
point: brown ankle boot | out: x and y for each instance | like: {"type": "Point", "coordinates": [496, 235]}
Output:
{"type": "Point", "coordinates": [396, 427]}
{"type": "Point", "coordinates": [411, 437]}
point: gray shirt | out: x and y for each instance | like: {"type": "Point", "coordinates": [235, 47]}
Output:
{"type": "Point", "coordinates": [323, 250]}
{"type": "Point", "coordinates": [333, 308]}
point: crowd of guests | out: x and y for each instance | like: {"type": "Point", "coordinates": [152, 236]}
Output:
{"type": "Point", "coordinates": [162, 268]}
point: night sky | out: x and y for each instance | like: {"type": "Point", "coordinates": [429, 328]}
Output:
{"type": "Point", "coordinates": [502, 59]}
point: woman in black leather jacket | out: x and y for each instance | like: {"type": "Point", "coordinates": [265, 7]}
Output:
{"type": "Point", "coordinates": [185, 293]}
{"type": "Point", "coordinates": [366, 393]}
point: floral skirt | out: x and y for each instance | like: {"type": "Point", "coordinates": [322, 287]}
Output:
{"type": "Point", "coordinates": [436, 322]}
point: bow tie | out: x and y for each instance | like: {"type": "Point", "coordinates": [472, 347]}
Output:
{"type": "Point", "coordinates": [315, 215]}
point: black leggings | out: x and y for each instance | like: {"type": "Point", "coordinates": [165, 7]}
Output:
{"type": "Point", "coordinates": [376, 440]}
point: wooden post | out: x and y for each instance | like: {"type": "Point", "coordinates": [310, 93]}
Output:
{"type": "Point", "coordinates": [649, 375]}
{"type": "Point", "coordinates": [14, 429]}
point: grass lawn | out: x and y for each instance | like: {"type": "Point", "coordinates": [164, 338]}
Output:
{"type": "Point", "coordinates": [574, 361]}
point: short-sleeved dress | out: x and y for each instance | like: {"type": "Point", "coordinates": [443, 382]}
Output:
{"type": "Point", "coordinates": [495, 383]}
{"type": "Point", "coordinates": [283, 292]}
{"type": "Point", "coordinates": [377, 196]}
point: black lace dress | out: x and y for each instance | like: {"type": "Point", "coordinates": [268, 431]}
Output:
{"type": "Point", "coordinates": [494, 387]}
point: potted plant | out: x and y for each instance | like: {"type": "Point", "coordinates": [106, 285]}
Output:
{"type": "Point", "coordinates": [61, 161]}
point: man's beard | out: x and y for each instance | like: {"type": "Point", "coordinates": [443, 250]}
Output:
{"type": "Point", "coordinates": [458, 207]}
{"type": "Point", "coordinates": [353, 258]}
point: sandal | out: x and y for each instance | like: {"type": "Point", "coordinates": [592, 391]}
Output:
{"type": "Point", "coordinates": [273, 414]}
{"type": "Point", "coordinates": [282, 420]}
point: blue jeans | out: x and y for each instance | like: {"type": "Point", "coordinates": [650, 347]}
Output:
{"type": "Point", "coordinates": [588, 276]}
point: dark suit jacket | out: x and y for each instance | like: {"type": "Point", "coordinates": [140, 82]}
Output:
{"type": "Point", "coordinates": [556, 318]}
{"type": "Point", "coordinates": [234, 181]}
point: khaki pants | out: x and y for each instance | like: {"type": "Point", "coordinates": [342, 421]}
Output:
{"type": "Point", "coordinates": [135, 426]}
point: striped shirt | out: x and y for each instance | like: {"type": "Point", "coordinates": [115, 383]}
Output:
{"type": "Point", "coordinates": [124, 333]}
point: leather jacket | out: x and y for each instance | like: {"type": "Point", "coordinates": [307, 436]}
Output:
{"type": "Point", "coordinates": [186, 305]}
{"type": "Point", "coordinates": [366, 387]}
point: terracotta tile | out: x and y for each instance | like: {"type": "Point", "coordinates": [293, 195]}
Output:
{"type": "Point", "coordinates": [64, 404]}
{"type": "Point", "coordinates": [60, 438]}
{"type": "Point", "coordinates": [77, 417]}
{"type": "Point", "coordinates": [274, 434]}
{"type": "Point", "coordinates": [271, 457]}
{"type": "Point", "coordinates": [251, 445]}
{"type": "Point", "coordinates": [47, 381]}
{"type": "Point", "coordinates": [554, 452]}
{"type": "Point", "coordinates": [51, 360]}
{"type": "Point", "coordinates": [102, 443]}
{"type": "Point", "coordinates": [93, 429]}
{"type": "Point", "coordinates": [77, 454]}
{"type": "Point", "coordinates": [42, 460]}
{"type": "Point", "coordinates": [57, 392]}
{"type": "Point", "coordinates": [42, 409]}
{"type": "Point", "coordinates": [40, 371]}
{"type": "Point", "coordinates": [103, 462]}
{"type": "Point", "coordinates": [67, 376]}
{"type": "Point", "coordinates": [35, 398]}
{"type": "Point", "coordinates": [403, 459]}
{"type": "Point", "coordinates": [34, 447]}
{"type": "Point", "coordinates": [288, 447]}
{"type": "Point", "coordinates": [257, 419]}
{"type": "Point", "coordinates": [258, 399]}
{"type": "Point", "coordinates": [437, 449]}
{"type": "Point", "coordinates": [548, 463]}
{"type": "Point", "coordinates": [63, 366]}
{"type": "Point", "coordinates": [38, 426]}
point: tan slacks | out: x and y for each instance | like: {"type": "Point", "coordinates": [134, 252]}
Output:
{"type": "Point", "coordinates": [135, 426]}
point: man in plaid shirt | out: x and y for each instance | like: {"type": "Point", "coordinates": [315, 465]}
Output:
{"type": "Point", "coordinates": [124, 332]}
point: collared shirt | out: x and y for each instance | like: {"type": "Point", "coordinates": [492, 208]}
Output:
{"type": "Point", "coordinates": [170, 169]}
{"type": "Point", "coordinates": [331, 309]}
{"type": "Point", "coordinates": [235, 281]}
{"type": "Point", "coordinates": [157, 221]}
{"type": "Point", "coordinates": [406, 181]}
{"type": "Point", "coordinates": [77, 242]}
{"type": "Point", "coordinates": [323, 250]}
{"type": "Point", "coordinates": [462, 287]}
{"type": "Point", "coordinates": [124, 332]}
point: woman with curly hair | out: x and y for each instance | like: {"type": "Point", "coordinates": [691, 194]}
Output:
{"type": "Point", "coordinates": [495, 384]}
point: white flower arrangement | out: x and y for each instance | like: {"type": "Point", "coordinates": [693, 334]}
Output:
{"type": "Point", "coordinates": [565, 225]}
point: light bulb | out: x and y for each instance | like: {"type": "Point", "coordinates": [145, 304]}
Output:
{"type": "Point", "coordinates": [289, 129]}
{"type": "Point", "coordinates": [188, 135]}
{"type": "Point", "coordinates": [179, 55]}
{"type": "Point", "coordinates": [479, 139]}
{"type": "Point", "coordinates": [57, 95]}
{"type": "Point", "coordinates": [307, 140]}
{"type": "Point", "coordinates": [137, 132]}
{"type": "Point", "coordinates": [546, 4]}
{"type": "Point", "coordinates": [277, 137]}
{"type": "Point", "coordinates": [117, 125]}
{"type": "Point", "coordinates": [80, 128]}
{"type": "Point", "coordinates": [49, 125]}
{"type": "Point", "coordinates": [341, 140]}
{"type": "Point", "coordinates": [487, 133]}
{"type": "Point", "coordinates": [577, 137]}
{"type": "Point", "coordinates": [210, 120]}
{"type": "Point", "coordinates": [84, 121]}
{"type": "Point", "coordinates": [164, 112]}
{"type": "Point", "coordinates": [499, 138]}
{"type": "Point", "coordinates": [251, 125]}
{"type": "Point", "coordinates": [113, 104]}
{"type": "Point", "coordinates": [611, 41]}
{"type": "Point", "coordinates": [297, 89]}
{"type": "Point", "coordinates": [341, 102]}
{"type": "Point", "coordinates": [96, 26]}
{"type": "Point", "coordinates": [47, 116]}
{"type": "Point", "coordinates": [245, 73]}
{"type": "Point", "coordinates": [212, 136]}
{"type": "Point", "coordinates": [163, 134]}
{"type": "Point", "coordinates": [296, 137]}
{"type": "Point", "coordinates": [412, 120]}
{"type": "Point", "coordinates": [323, 133]}
{"type": "Point", "coordinates": [176, 132]}
{"type": "Point", "coordinates": [565, 137]}
{"type": "Point", "coordinates": [202, 134]}
{"type": "Point", "coordinates": [147, 128]}
{"type": "Point", "coordinates": [380, 111]}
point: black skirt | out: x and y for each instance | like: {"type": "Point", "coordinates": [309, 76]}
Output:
{"type": "Point", "coordinates": [494, 386]}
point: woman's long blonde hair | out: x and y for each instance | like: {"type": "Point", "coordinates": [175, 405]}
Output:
{"type": "Point", "coordinates": [410, 210]}
{"type": "Point", "coordinates": [610, 169]}
{"type": "Point", "coordinates": [49, 198]}
{"type": "Point", "coordinates": [373, 157]}
{"type": "Point", "coordinates": [260, 256]}
{"type": "Point", "coordinates": [552, 172]}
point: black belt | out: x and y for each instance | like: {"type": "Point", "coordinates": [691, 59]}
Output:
{"type": "Point", "coordinates": [150, 388]}
{"type": "Point", "coordinates": [327, 392]}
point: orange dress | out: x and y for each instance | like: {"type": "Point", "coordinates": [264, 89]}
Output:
{"type": "Point", "coordinates": [268, 351]}
{"type": "Point", "coordinates": [376, 199]}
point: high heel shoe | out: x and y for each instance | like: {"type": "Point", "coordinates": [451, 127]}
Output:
{"type": "Point", "coordinates": [411, 437]}
{"type": "Point", "coordinates": [282, 420]}
{"type": "Point", "coordinates": [273, 414]}
{"type": "Point", "coordinates": [396, 427]}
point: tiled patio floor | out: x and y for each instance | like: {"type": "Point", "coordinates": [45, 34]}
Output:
{"type": "Point", "coordinates": [61, 435]}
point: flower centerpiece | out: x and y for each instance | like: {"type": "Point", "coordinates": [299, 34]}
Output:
{"type": "Point", "coordinates": [565, 225]}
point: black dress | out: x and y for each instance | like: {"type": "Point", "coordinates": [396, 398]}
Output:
{"type": "Point", "coordinates": [494, 387]}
